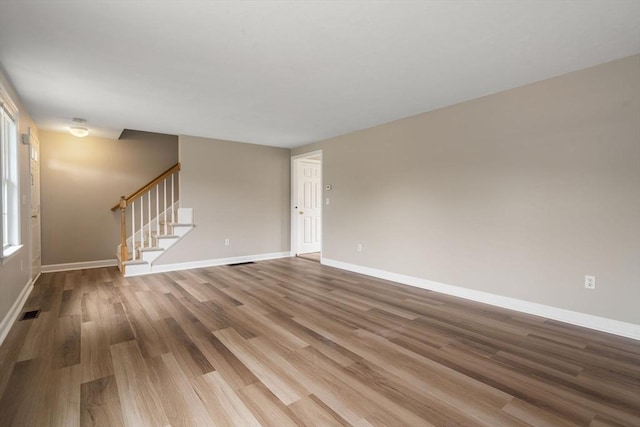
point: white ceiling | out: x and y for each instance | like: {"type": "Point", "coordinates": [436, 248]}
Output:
{"type": "Point", "coordinates": [286, 73]}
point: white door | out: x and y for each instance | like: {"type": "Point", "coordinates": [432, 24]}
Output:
{"type": "Point", "coordinates": [35, 208]}
{"type": "Point", "coordinates": [309, 208]}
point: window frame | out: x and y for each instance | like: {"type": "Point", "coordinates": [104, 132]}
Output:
{"type": "Point", "coordinates": [10, 175]}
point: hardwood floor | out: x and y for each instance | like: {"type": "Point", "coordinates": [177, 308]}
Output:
{"type": "Point", "coordinates": [313, 256]}
{"type": "Point", "coordinates": [291, 342]}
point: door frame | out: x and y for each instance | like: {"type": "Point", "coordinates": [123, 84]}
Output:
{"type": "Point", "coordinates": [27, 139]}
{"type": "Point", "coordinates": [294, 195]}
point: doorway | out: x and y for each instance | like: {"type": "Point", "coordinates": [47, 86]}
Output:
{"type": "Point", "coordinates": [34, 170]}
{"type": "Point", "coordinates": [306, 202]}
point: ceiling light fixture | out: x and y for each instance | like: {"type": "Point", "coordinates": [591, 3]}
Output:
{"type": "Point", "coordinates": [78, 128]}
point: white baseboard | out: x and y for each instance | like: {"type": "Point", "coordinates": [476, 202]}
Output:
{"type": "Point", "coordinates": [215, 262]}
{"type": "Point", "coordinates": [603, 324]}
{"type": "Point", "coordinates": [52, 268]}
{"type": "Point", "coordinates": [12, 315]}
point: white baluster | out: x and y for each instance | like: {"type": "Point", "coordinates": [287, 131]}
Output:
{"type": "Point", "coordinates": [157, 210]}
{"type": "Point", "coordinates": [165, 206]}
{"type": "Point", "coordinates": [133, 230]}
{"type": "Point", "coordinates": [173, 214]}
{"type": "Point", "coordinates": [149, 217]}
{"type": "Point", "coordinates": [141, 223]}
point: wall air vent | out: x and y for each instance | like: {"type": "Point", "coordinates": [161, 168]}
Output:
{"type": "Point", "coordinates": [240, 263]}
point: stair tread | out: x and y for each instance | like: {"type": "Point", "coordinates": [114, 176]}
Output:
{"type": "Point", "coordinates": [173, 224]}
{"type": "Point", "coordinates": [135, 262]}
{"type": "Point", "coordinates": [151, 249]}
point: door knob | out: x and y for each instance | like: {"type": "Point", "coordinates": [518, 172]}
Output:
{"type": "Point", "coordinates": [301, 213]}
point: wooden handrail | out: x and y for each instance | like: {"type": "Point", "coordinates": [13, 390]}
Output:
{"type": "Point", "coordinates": [136, 195]}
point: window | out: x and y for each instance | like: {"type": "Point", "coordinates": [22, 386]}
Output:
{"type": "Point", "coordinates": [9, 166]}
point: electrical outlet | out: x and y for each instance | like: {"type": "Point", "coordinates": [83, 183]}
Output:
{"type": "Point", "coordinates": [590, 282]}
{"type": "Point", "coordinates": [359, 247]}
{"type": "Point", "coordinates": [227, 242]}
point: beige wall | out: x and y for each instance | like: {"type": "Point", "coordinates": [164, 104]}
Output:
{"type": "Point", "coordinates": [238, 192]}
{"type": "Point", "coordinates": [15, 273]}
{"type": "Point", "coordinates": [82, 178]}
{"type": "Point", "coordinates": [518, 194]}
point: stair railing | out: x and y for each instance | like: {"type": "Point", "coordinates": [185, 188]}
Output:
{"type": "Point", "coordinates": [160, 193]}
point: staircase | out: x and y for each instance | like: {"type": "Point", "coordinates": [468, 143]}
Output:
{"type": "Point", "coordinates": [151, 222]}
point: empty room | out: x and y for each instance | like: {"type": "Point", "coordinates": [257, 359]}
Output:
{"type": "Point", "coordinates": [320, 213]}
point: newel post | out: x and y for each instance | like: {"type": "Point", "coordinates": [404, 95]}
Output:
{"type": "Point", "coordinates": [124, 254]}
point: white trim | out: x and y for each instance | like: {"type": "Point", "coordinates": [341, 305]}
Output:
{"type": "Point", "coordinates": [9, 252]}
{"type": "Point", "coordinates": [310, 160]}
{"type": "Point", "coordinates": [12, 315]}
{"type": "Point", "coordinates": [8, 105]}
{"type": "Point", "coordinates": [14, 208]}
{"type": "Point", "coordinates": [294, 194]}
{"type": "Point", "coordinates": [212, 262]}
{"type": "Point", "coordinates": [309, 154]}
{"type": "Point", "coordinates": [52, 268]}
{"type": "Point", "coordinates": [629, 330]}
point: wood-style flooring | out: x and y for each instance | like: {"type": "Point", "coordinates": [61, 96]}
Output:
{"type": "Point", "coordinates": [290, 343]}
{"type": "Point", "coordinates": [313, 256]}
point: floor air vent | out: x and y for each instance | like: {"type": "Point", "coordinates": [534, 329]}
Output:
{"type": "Point", "coordinates": [30, 315]}
{"type": "Point", "coordinates": [240, 263]}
